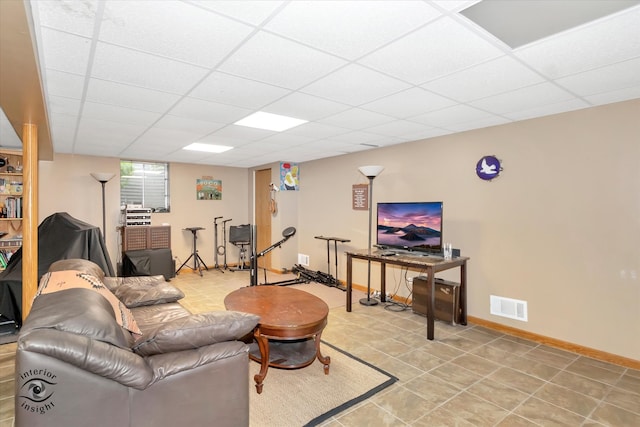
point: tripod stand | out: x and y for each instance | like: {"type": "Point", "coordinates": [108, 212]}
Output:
{"type": "Point", "coordinates": [197, 261]}
{"type": "Point", "coordinates": [215, 233]}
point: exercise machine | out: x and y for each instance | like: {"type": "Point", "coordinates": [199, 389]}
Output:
{"type": "Point", "coordinates": [287, 233]}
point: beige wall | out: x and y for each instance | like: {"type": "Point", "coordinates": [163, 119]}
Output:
{"type": "Point", "coordinates": [560, 228]}
{"type": "Point", "coordinates": [66, 186]}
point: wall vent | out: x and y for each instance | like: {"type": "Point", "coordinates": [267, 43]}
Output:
{"type": "Point", "coordinates": [507, 307]}
{"type": "Point", "coordinates": [303, 260]}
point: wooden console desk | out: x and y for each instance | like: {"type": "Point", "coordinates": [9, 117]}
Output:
{"type": "Point", "coordinates": [427, 264]}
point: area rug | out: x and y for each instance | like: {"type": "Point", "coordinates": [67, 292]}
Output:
{"type": "Point", "coordinates": [307, 397]}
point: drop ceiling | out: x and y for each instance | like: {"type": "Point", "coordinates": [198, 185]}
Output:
{"type": "Point", "coordinates": [143, 79]}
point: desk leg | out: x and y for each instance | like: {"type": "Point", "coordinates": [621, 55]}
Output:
{"type": "Point", "coordinates": [349, 274]}
{"type": "Point", "coordinates": [383, 282]}
{"type": "Point", "coordinates": [463, 293]}
{"type": "Point", "coordinates": [431, 304]}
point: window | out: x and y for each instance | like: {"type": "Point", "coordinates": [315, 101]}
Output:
{"type": "Point", "coordinates": [146, 184]}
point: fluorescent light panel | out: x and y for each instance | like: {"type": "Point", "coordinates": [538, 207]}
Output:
{"type": "Point", "coordinates": [268, 121]}
{"type": "Point", "coordinates": [209, 148]}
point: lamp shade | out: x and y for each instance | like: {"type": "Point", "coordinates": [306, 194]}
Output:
{"type": "Point", "coordinates": [371, 171]}
{"type": "Point", "coordinates": [102, 176]}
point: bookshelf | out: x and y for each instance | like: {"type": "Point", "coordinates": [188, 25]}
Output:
{"type": "Point", "coordinates": [11, 204]}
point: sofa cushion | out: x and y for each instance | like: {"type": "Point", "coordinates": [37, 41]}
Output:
{"type": "Point", "coordinates": [196, 330]}
{"type": "Point", "coordinates": [61, 280]}
{"type": "Point", "coordinates": [78, 311]}
{"type": "Point", "coordinates": [79, 264]}
{"type": "Point", "coordinates": [141, 291]}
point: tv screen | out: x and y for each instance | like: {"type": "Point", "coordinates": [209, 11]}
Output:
{"type": "Point", "coordinates": [415, 226]}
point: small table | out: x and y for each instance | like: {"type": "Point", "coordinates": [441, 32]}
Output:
{"type": "Point", "coordinates": [429, 264]}
{"type": "Point", "coordinates": [290, 327]}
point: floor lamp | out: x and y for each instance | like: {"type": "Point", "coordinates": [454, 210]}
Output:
{"type": "Point", "coordinates": [103, 178]}
{"type": "Point", "coordinates": [370, 172]}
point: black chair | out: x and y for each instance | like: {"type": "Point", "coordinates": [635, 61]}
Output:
{"type": "Point", "coordinates": [240, 236]}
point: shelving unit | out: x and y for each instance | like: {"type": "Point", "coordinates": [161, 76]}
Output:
{"type": "Point", "coordinates": [11, 205]}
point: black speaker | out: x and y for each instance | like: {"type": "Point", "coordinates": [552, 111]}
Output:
{"type": "Point", "coordinates": [455, 253]}
{"type": "Point", "coordinates": [240, 233]}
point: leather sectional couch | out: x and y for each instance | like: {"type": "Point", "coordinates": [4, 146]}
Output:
{"type": "Point", "coordinates": [115, 352]}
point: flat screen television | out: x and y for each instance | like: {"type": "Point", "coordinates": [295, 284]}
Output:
{"type": "Point", "coordinates": [414, 226]}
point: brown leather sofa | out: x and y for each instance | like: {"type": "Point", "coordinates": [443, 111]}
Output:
{"type": "Point", "coordinates": [76, 365]}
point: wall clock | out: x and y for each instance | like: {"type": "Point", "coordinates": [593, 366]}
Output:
{"type": "Point", "coordinates": [488, 168]}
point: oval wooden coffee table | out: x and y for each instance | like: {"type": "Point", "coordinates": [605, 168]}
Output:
{"type": "Point", "coordinates": [290, 327]}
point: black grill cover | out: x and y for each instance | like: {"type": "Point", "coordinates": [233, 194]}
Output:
{"type": "Point", "coordinates": [60, 236]}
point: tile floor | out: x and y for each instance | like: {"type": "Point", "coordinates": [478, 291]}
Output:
{"type": "Point", "coordinates": [468, 376]}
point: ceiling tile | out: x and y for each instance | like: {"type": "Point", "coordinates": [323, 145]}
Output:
{"type": "Point", "coordinates": [232, 90]}
{"type": "Point", "coordinates": [381, 21]}
{"type": "Point", "coordinates": [65, 52]}
{"type": "Point", "coordinates": [61, 105]}
{"type": "Point", "coordinates": [356, 137]}
{"type": "Point", "coordinates": [208, 111]}
{"type": "Point", "coordinates": [398, 128]}
{"type": "Point", "coordinates": [410, 102]}
{"type": "Point", "coordinates": [548, 109]}
{"type": "Point", "coordinates": [173, 29]}
{"type": "Point", "coordinates": [141, 69]}
{"type": "Point", "coordinates": [413, 58]}
{"type": "Point", "coordinates": [74, 17]}
{"type": "Point", "coordinates": [317, 130]}
{"type": "Point", "coordinates": [117, 114]}
{"type": "Point", "coordinates": [140, 98]}
{"type": "Point", "coordinates": [307, 107]}
{"type": "Point", "coordinates": [523, 99]}
{"type": "Point", "coordinates": [242, 133]}
{"type": "Point", "coordinates": [62, 84]}
{"type": "Point", "coordinates": [603, 42]}
{"type": "Point", "coordinates": [284, 141]}
{"type": "Point", "coordinates": [451, 116]}
{"type": "Point", "coordinates": [614, 96]}
{"type": "Point", "coordinates": [275, 60]}
{"type": "Point", "coordinates": [454, 4]}
{"type": "Point", "coordinates": [355, 85]}
{"type": "Point", "coordinates": [478, 124]}
{"type": "Point", "coordinates": [356, 118]}
{"type": "Point", "coordinates": [606, 79]}
{"type": "Point", "coordinates": [171, 138]}
{"type": "Point", "coordinates": [252, 12]}
{"type": "Point", "coordinates": [198, 127]}
{"type": "Point", "coordinates": [117, 132]}
{"type": "Point", "coordinates": [490, 78]}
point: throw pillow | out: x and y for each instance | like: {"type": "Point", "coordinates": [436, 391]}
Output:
{"type": "Point", "coordinates": [141, 291]}
{"type": "Point", "coordinates": [60, 280]}
{"type": "Point", "coordinates": [196, 330]}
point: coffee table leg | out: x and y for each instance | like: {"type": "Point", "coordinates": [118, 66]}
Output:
{"type": "Point", "coordinates": [263, 345]}
{"type": "Point", "coordinates": [325, 360]}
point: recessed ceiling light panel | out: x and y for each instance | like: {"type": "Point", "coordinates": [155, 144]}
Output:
{"type": "Point", "coordinates": [208, 148]}
{"type": "Point", "coordinates": [268, 121]}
